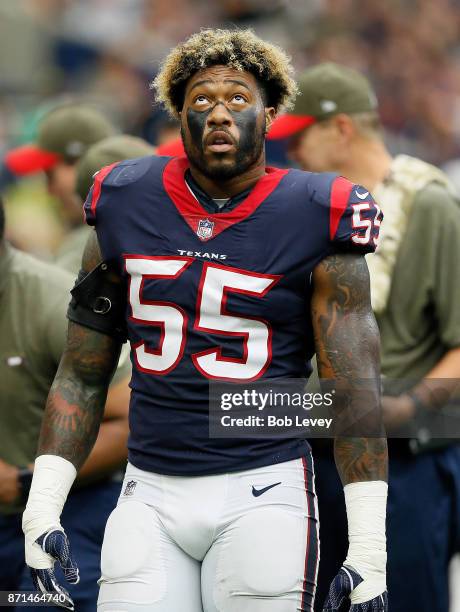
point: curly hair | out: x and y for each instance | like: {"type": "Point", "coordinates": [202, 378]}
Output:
{"type": "Point", "coordinates": [238, 49]}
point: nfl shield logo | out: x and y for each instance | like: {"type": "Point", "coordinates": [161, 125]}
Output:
{"type": "Point", "coordinates": [205, 229]}
{"type": "Point", "coordinates": [130, 486]}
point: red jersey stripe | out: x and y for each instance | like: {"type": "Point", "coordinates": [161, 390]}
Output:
{"type": "Point", "coordinates": [307, 553]}
{"type": "Point", "coordinates": [98, 180]}
{"type": "Point", "coordinates": [340, 193]}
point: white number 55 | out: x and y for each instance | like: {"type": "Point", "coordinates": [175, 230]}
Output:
{"type": "Point", "coordinates": [212, 316]}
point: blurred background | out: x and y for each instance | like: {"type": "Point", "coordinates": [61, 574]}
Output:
{"type": "Point", "coordinates": [107, 52]}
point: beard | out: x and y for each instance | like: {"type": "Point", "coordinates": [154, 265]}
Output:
{"type": "Point", "coordinates": [220, 166]}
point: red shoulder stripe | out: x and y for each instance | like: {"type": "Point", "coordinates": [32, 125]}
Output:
{"type": "Point", "coordinates": [340, 193]}
{"type": "Point", "coordinates": [100, 176]}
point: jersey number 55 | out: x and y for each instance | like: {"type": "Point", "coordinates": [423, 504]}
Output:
{"type": "Point", "coordinates": [216, 283]}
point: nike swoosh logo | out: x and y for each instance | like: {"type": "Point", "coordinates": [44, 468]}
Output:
{"type": "Point", "coordinates": [259, 492]}
{"type": "Point", "coordinates": [361, 196]}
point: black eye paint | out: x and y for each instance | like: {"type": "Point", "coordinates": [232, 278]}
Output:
{"type": "Point", "coordinates": [196, 122]}
{"type": "Point", "coordinates": [249, 146]}
{"type": "Point", "coordinates": [251, 137]}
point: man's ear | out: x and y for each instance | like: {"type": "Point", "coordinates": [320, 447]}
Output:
{"type": "Point", "coordinates": [270, 115]}
{"type": "Point", "coordinates": [345, 125]}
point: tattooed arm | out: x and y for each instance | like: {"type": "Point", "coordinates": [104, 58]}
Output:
{"type": "Point", "coordinates": [347, 350]}
{"type": "Point", "coordinates": [75, 405]}
{"type": "Point", "coordinates": [73, 414]}
{"type": "Point", "coordinates": [110, 450]}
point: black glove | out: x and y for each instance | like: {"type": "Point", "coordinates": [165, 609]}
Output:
{"type": "Point", "coordinates": [56, 544]}
{"type": "Point", "coordinates": [343, 584]}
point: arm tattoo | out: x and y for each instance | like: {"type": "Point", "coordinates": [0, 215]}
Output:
{"type": "Point", "coordinates": [76, 401]}
{"type": "Point", "coordinates": [347, 349]}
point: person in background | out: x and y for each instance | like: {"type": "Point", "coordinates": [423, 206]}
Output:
{"type": "Point", "coordinates": [34, 296]}
{"type": "Point", "coordinates": [104, 153]}
{"type": "Point", "coordinates": [335, 127]}
{"type": "Point", "coordinates": [168, 131]}
{"type": "Point", "coordinates": [64, 135]}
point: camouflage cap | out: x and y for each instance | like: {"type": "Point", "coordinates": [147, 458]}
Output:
{"type": "Point", "coordinates": [106, 152]}
{"type": "Point", "coordinates": [325, 90]}
{"type": "Point", "coordinates": [64, 134]}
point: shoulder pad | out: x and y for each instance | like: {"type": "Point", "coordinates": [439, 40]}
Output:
{"type": "Point", "coordinates": [130, 171]}
{"type": "Point", "coordinates": [117, 175]}
{"type": "Point", "coordinates": [355, 218]}
{"type": "Point", "coordinates": [319, 186]}
{"type": "Point", "coordinates": [351, 214]}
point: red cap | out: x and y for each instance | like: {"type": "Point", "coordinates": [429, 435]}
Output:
{"type": "Point", "coordinates": [288, 125]}
{"type": "Point", "coordinates": [29, 159]}
{"type": "Point", "coordinates": [174, 148]}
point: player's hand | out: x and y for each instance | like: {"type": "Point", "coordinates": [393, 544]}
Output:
{"type": "Point", "coordinates": [341, 588]}
{"type": "Point", "coordinates": [53, 546]}
{"type": "Point", "coordinates": [45, 540]}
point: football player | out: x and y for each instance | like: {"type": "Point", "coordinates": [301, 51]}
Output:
{"type": "Point", "coordinates": [210, 523]}
{"type": "Point", "coordinates": [335, 126]}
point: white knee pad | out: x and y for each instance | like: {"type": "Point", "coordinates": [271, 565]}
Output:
{"type": "Point", "coordinates": [132, 563]}
{"type": "Point", "coordinates": [269, 553]}
{"type": "Point", "coordinates": [128, 540]}
{"type": "Point", "coordinates": [258, 564]}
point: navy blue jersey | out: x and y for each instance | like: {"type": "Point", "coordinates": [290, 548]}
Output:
{"type": "Point", "coordinates": [222, 296]}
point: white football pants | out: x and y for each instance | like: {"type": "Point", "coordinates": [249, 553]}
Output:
{"type": "Point", "coordinates": [239, 542]}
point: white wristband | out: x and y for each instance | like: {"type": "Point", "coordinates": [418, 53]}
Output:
{"type": "Point", "coordinates": [366, 511]}
{"type": "Point", "coordinates": [51, 482]}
